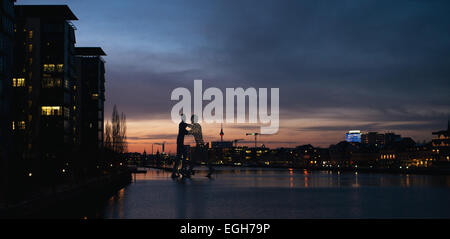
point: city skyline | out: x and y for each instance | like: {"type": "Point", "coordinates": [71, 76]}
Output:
{"type": "Point", "coordinates": [224, 110]}
{"type": "Point", "coordinates": [373, 66]}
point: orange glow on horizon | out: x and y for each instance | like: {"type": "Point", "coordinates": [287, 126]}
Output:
{"type": "Point", "coordinates": [293, 132]}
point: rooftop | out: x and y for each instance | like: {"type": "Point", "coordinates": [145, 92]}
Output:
{"type": "Point", "coordinates": [89, 51]}
{"type": "Point", "coordinates": [45, 11]}
{"type": "Point", "coordinates": [443, 132]}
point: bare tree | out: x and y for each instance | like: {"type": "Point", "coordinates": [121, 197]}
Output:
{"type": "Point", "coordinates": [123, 133]}
{"type": "Point", "coordinates": [108, 136]}
{"type": "Point", "coordinates": [118, 132]}
{"type": "Point", "coordinates": [115, 130]}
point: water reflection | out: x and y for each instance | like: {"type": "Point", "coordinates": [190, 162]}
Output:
{"type": "Point", "coordinates": [291, 178]}
{"type": "Point", "coordinates": [280, 193]}
{"type": "Point", "coordinates": [180, 199]}
{"type": "Point", "coordinates": [295, 178]}
{"type": "Point", "coordinates": [116, 205]}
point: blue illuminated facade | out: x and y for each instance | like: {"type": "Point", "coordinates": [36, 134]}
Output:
{"type": "Point", "coordinates": [353, 136]}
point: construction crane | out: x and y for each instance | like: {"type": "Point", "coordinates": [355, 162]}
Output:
{"type": "Point", "coordinates": [255, 134]}
{"type": "Point", "coordinates": [235, 142]}
{"type": "Point", "coordinates": [162, 146]}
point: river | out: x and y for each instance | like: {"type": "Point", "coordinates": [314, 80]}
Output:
{"type": "Point", "coordinates": [280, 193]}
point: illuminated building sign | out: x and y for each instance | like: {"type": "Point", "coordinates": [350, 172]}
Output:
{"type": "Point", "coordinates": [353, 136]}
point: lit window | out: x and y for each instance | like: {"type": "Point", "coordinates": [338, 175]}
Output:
{"type": "Point", "coordinates": [51, 110]}
{"type": "Point", "coordinates": [95, 96]}
{"type": "Point", "coordinates": [18, 125]}
{"type": "Point", "coordinates": [21, 125]}
{"type": "Point", "coordinates": [30, 47]}
{"type": "Point", "coordinates": [30, 34]}
{"type": "Point", "coordinates": [18, 82]}
{"type": "Point", "coordinates": [51, 82]}
{"type": "Point", "coordinates": [60, 67]}
{"type": "Point", "coordinates": [49, 67]}
{"type": "Point", "coordinates": [66, 84]}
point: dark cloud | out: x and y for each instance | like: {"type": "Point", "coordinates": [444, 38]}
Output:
{"type": "Point", "coordinates": [373, 127]}
{"type": "Point", "coordinates": [376, 61]}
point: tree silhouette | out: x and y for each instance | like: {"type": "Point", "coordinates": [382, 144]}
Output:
{"type": "Point", "coordinates": [116, 132]}
{"type": "Point", "coordinates": [108, 137]}
{"type": "Point", "coordinates": [123, 133]}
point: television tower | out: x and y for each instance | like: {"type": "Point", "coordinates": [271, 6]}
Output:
{"type": "Point", "coordinates": [221, 133]}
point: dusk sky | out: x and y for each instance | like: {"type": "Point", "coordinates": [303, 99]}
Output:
{"type": "Point", "coordinates": [340, 65]}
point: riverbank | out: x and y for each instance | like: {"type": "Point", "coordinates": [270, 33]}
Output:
{"type": "Point", "coordinates": [64, 201]}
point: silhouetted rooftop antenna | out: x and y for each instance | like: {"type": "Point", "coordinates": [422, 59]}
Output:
{"type": "Point", "coordinates": [255, 134]}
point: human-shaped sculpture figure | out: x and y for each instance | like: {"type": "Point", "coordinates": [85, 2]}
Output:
{"type": "Point", "coordinates": [200, 152]}
{"type": "Point", "coordinates": [196, 130]}
{"type": "Point", "coordinates": [181, 149]}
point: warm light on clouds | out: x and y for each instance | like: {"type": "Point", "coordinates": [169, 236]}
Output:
{"type": "Point", "coordinates": [368, 65]}
{"type": "Point", "coordinates": [293, 132]}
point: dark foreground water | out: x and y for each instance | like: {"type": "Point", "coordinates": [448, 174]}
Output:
{"type": "Point", "coordinates": [281, 193]}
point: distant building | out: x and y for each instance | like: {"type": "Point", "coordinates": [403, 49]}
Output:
{"type": "Point", "coordinates": [441, 138]}
{"type": "Point", "coordinates": [221, 144]}
{"type": "Point", "coordinates": [372, 138]}
{"type": "Point", "coordinates": [391, 138]}
{"type": "Point", "coordinates": [341, 154]}
{"type": "Point", "coordinates": [310, 156]}
{"type": "Point", "coordinates": [353, 136]}
{"type": "Point", "coordinates": [441, 145]}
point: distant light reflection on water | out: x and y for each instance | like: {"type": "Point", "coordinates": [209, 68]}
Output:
{"type": "Point", "coordinates": [281, 193]}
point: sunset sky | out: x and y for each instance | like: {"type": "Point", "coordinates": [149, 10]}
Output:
{"type": "Point", "coordinates": [340, 65]}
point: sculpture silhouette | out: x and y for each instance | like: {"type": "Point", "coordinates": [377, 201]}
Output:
{"type": "Point", "coordinates": [181, 149]}
{"type": "Point", "coordinates": [200, 151]}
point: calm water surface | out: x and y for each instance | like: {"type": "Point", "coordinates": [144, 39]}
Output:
{"type": "Point", "coordinates": [281, 193]}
